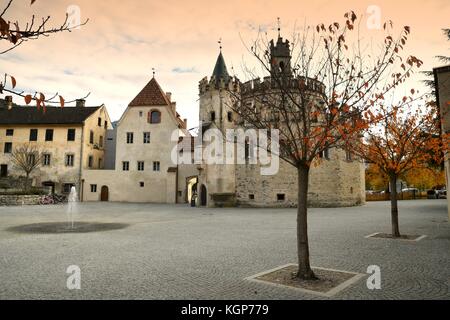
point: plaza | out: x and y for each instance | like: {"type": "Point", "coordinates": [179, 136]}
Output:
{"type": "Point", "coordinates": [178, 252]}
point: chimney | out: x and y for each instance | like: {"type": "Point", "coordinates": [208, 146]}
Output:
{"type": "Point", "coordinates": [169, 96]}
{"type": "Point", "coordinates": [9, 101]}
{"type": "Point", "coordinates": [80, 103]}
{"type": "Point", "coordinates": [185, 122]}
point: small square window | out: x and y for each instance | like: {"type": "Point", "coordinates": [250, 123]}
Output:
{"type": "Point", "coordinates": [142, 184]}
{"type": "Point", "coordinates": [9, 132]}
{"type": "Point", "coordinates": [251, 196]}
{"type": "Point", "coordinates": [281, 197]}
{"type": "Point", "coordinates": [126, 166]}
{"type": "Point", "coordinates": [93, 188]}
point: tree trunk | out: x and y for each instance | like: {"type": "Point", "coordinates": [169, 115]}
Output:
{"type": "Point", "coordinates": [304, 268]}
{"type": "Point", "coordinates": [26, 182]}
{"type": "Point", "coordinates": [394, 206]}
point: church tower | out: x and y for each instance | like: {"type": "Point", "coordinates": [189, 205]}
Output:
{"type": "Point", "coordinates": [217, 181]}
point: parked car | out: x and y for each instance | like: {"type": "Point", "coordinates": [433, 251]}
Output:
{"type": "Point", "coordinates": [442, 194]}
{"type": "Point", "coordinates": [410, 190]}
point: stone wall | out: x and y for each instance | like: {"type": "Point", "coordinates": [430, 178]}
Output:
{"type": "Point", "coordinates": [19, 200]}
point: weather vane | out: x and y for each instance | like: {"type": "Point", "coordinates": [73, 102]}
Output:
{"type": "Point", "coordinates": [279, 26]}
{"type": "Point", "coordinates": [153, 71]}
{"type": "Point", "coordinates": [220, 44]}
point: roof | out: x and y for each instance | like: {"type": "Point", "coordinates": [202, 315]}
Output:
{"type": "Point", "coordinates": [151, 95]}
{"type": "Point", "coordinates": [52, 115]}
{"type": "Point", "coordinates": [220, 69]}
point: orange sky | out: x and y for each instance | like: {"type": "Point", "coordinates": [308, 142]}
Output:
{"type": "Point", "coordinates": [113, 55]}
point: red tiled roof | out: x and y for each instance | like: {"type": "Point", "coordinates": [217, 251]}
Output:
{"type": "Point", "coordinates": [151, 95]}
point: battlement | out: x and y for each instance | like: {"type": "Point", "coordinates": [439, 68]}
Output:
{"type": "Point", "coordinates": [300, 83]}
{"type": "Point", "coordinates": [205, 85]}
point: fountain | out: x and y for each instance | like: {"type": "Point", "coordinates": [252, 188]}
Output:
{"type": "Point", "coordinates": [72, 206]}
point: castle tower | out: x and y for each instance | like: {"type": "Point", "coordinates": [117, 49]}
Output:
{"type": "Point", "coordinates": [280, 57]}
{"type": "Point", "coordinates": [216, 181]}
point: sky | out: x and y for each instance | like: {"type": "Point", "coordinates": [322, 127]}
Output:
{"type": "Point", "coordinates": [113, 55]}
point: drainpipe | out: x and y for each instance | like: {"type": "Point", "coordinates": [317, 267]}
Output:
{"type": "Point", "coordinates": [81, 161]}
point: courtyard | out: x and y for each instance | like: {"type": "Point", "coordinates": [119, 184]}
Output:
{"type": "Point", "coordinates": [179, 252]}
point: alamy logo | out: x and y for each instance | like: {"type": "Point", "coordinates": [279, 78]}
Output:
{"type": "Point", "coordinates": [74, 280]}
{"type": "Point", "coordinates": [235, 146]}
{"type": "Point", "coordinates": [74, 17]}
{"type": "Point", "coordinates": [374, 280]}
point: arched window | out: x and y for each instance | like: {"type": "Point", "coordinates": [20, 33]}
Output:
{"type": "Point", "coordinates": [154, 116]}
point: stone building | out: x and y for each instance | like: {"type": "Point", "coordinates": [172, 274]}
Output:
{"type": "Point", "coordinates": [146, 139]}
{"type": "Point", "coordinates": [442, 82]}
{"type": "Point", "coordinates": [72, 139]}
{"type": "Point", "coordinates": [337, 181]}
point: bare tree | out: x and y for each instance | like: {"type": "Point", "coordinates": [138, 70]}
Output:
{"type": "Point", "coordinates": [317, 95]}
{"type": "Point", "coordinates": [27, 158]}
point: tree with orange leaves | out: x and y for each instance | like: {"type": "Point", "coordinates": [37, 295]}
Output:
{"type": "Point", "coordinates": [404, 139]}
{"type": "Point", "coordinates": [317, 90]}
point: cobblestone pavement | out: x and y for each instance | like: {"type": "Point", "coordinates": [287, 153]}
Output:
{"type": "Point", "coordinates": [178, 252]}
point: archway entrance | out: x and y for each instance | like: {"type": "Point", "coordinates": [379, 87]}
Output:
{"type": "Point", "coordinates": [191, 188]}
{"type": "Point", "coordinates": [104, 196]}
{"type": "Point", "coordinates": [203, 196]}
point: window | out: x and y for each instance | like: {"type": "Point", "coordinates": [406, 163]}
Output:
{"type": "Point", "coordinates": [91, 137]}
{"type": "Point", "coordinates": [93, 188]}
{"type": "Point", "coordinates": [67, 187]}
{"type": "Point", "coordinates": [325, 154]}
{"type": "Point", "coordinates": [146, 137]}
{"type": "Point", "coordinates": [348, 156]}
{"type": "Point", "coordinates": [33, 134]}
{"type": "Point", "coordinates": [251, 196]}
{"type": "Point", "coordinates": [281, 196]}
{"type": "Point", "coordinates": [90, 161]}
{"type": "Point", "coordinates": [3, 170]}
{"type": "Point", "coordinates": [140, 165]}
{"type": "Point", "coordinates": [46, 159]}
{"type": "Point", "coordinates": [49, 135]}
{"type": "Point", "coordinates": [106, 124]}
{"type": "Point", "coordinates": [31, 159]}
{"type": "Point", "coordinates": [154, 116]}
{"type": "Point", "coordinates": [142, 184]}
{"type": "Point", "coordinates": [230, 116]}
{"type": "Point", "coordinates": [100, 163]}
{"type": "Point", "coordinates": [71, 135]}
{"type": "Point", "coordinates": [70, 160]}
{"type": "Point", "coordinates": [100, 141]}
{"type": "Point", "coordinates": [8, 147]}
{"type": "Point", "coordinates": [156, 166]}
{"type": "Point", "coordinates": [141, 114]}
{"type": "Point", "coordinates": [9, 132]}
{"type": "Point", "coordinates": [125, 166]}
{"type": "Point", "coordinates": [99, 122]}
{"type": "Point", "coordinates": [130, 137]}
{"type": "Point", "coordinates": [212, 116]}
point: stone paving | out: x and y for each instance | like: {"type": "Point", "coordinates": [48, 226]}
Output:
{"type": "Point", "coordinates": [178, 252]}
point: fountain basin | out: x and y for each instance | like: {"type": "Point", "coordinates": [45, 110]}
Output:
{"type": "Point", "coordinates": [63, 227]}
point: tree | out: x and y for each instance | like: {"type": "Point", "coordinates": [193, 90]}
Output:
{"type": "Point", "coordinates": [405, 139]}
{"type": "Point", "coordinates": [15, 34]}
{"type": "Point", "coordinates": [316, 96]}
{"type": "Point", "coordinates": [375, 178]}
{"type": "Point", "coordinates": [27, 158]}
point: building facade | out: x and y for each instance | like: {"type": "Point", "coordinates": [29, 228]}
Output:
{"type": "Point", "coordinates": [72, 139]}
{"type": "Point", "coordinates": [442, 82]}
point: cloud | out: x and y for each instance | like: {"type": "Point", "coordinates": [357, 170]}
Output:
{"type": "Point", "coordinates": [184, 70]}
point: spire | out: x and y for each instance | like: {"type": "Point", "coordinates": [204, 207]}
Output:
{"type": "Point", "coordinates": [220, 70]}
